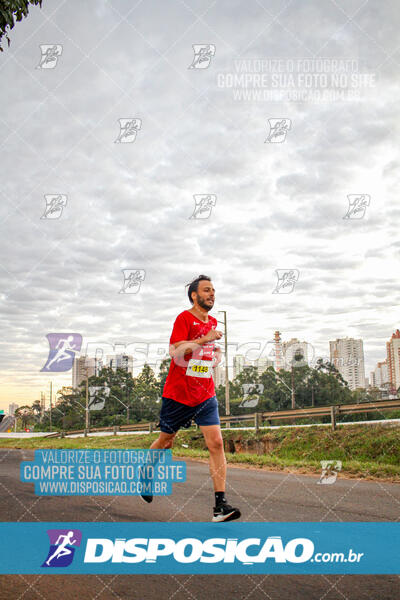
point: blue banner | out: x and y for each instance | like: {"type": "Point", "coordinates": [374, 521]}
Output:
{"type": "Point", "coordinates": [103, 472]}
{"type": "Point", "coordinates": [195, 548]}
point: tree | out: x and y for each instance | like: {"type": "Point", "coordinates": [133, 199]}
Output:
{"type": "Point", "coordinates": [330, 368]}
{"type": "Point", "coordinates": [24, 413]}
{"type": "Point", "coordinates": [121, 386]}
{"type": "Point", "coordinates": [36, 409]}
{"type": "Point", "coordinates": [162, 375]}
{"type": "Point", "coordinates": [11, 11]}
{"type": "Point", "coordinates": [146, 395]}
{"type": "Point", "coordinates": [66, 413]}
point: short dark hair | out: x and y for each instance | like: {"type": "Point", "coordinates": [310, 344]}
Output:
{"type": "Point", "coordinates": [194, 285]}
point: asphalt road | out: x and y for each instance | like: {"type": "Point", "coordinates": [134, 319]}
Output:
{"type": "Point", "coordinates": [261, 496]}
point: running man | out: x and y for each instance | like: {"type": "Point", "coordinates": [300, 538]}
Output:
{"type": "Point", "coordinates": [61, 549]}
{"type": "Point", "coordinates": [189, 391]}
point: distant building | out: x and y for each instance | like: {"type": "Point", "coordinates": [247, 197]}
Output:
{"type": "Point", "coordinates": [292, 348]}
{"type": "Point", "coordinates": [262, 365]}
{"type": "Point", "coordinates": [99, 365]}
{"type": "Point", "coordinates": [347, 354]}
{"type": "Point", "coordinates": [380, 376]}
{"type": "Point", "coordinates": [12, 408]}
{"type": "Point", "coordinates": [238, 365]}
{"type": "Point", "coordinates": [219, 375]}
{"type": "Point", "coordinates": [120, 361]}
{"type": "Point", "coordinates": [79, 369]}
{"type": "Point", "coordinates": [393, 360]}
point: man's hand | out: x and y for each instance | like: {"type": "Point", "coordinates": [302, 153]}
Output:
{"type": "Point", "coordinates": [212, 335]}
{"type": "Point", "coordinates": [217, 356]}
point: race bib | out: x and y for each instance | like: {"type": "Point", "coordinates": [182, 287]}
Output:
{"type": "Point", "coordinates": [199, 368]}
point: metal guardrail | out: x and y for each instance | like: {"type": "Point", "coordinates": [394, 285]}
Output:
{"type": "Point", "coordinates": [114, 428]}
{"type": "Point", "coordinates": [334, 411]}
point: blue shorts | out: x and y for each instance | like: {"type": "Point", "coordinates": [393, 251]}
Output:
{"type": "Point", "coordinates": [175, 415]}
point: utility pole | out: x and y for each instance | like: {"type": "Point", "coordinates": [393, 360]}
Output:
{"type": "Point", "coordinates": [85, 369]}
{"type": "Point", "coordinates": [293, 396]}
{"type": "Point", "coordinates": [227, 400]}
{"type": "Point", "coordinates": [87, 398]}
{"type": "Point", "coordinates": [42, 405]}
{"type": "Point", "coordinates": [127, 405]}
{"type": "Point", "coordinates": [51, 396]}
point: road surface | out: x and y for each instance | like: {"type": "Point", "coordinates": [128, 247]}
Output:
{"type": "Point", "coordinates": [261, 495]}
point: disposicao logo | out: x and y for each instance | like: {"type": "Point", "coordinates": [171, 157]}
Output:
{"type": "Point", "coordinates": [62, 547]}
{"type": "Point", "coordinates": [191, 550]}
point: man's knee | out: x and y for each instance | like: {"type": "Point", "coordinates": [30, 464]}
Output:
{"type": "Point", "coordinates": [168, 442]}
{"type": "Point", "coordinates": [215, 444]}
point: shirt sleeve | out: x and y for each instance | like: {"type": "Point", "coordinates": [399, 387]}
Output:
{"type": "Point", "coordinates": [180, 330]}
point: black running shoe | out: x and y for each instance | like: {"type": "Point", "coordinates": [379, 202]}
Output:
{"type": "Point", "coordinates": [147, 499]}
{"type": "Point", "coordinates": [225, 512]}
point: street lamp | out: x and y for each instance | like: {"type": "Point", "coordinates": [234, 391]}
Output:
{"type": "Point", "coordinates": [80, 403]}
{"type": "Point", "coordinates": [63, 414]}
{"type": "Point", "coordinates": [310, 380]}
{"type": "Point", "coordinates": [123, 404]}
{"type": "Point", "coordinates": [128, 388]}
{"type": "Point", "coordinates": [286, 385]}
{"type": "Point", "coordinates": [51, 401]}
{"type": "Point", "coordinates": [86, 371]}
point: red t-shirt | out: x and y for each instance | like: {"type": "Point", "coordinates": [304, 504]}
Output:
{"type": "Point", "coordinates": [179, 386]}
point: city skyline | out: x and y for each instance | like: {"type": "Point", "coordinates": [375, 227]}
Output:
{"type": "Point", "coordinates": [67, 378]}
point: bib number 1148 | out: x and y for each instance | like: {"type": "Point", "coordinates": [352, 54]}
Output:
{"type": "Point", "coordinates": [199, 368]}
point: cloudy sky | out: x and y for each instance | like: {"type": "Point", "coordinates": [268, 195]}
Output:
{"type": "Point", "coordinates": [279, 205]}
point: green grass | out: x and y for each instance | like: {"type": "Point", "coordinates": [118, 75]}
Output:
{"type": "Point", "coordinates": [366, 451]}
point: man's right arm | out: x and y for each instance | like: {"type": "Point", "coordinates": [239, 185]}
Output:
{"type": "Point", "coordinates": [186, 346]}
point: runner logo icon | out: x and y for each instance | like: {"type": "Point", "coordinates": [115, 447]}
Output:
{"type": "Point", "coordinates": [63, 543]}
{"type": "Point", "coordinates": [63, 347]}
